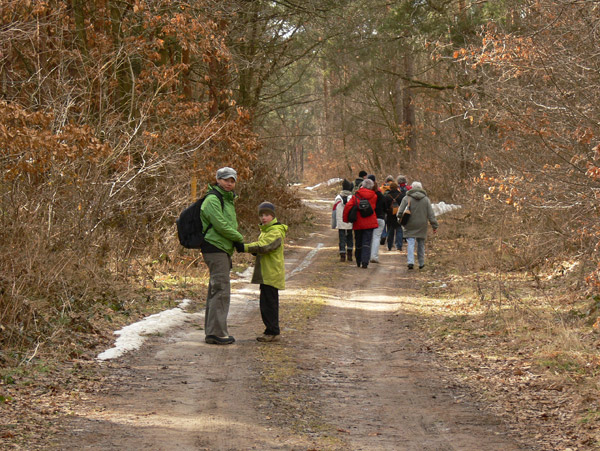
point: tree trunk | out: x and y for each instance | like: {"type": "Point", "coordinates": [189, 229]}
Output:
{"type": "Point", "coordinates": [121, 65]}
{"type": "Point", "coordinates": [409, 117]}
{"type": "Point", "coordinates": [248, 52]}
{"type": "Point", "coordinates": [79, 19]}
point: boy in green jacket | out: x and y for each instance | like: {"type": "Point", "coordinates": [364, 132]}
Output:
{"type": "Point", "coordinates": [269, 268]}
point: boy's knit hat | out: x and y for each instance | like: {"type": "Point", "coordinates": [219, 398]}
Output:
{"type": "Point", "coordinates": [226, 172]}
{"type": "Point", "coordinates": [362, 174]}
{"type": "Point", "coordinates": [267, 207]}
{"type": "Point", "coordinates": [371, 176]}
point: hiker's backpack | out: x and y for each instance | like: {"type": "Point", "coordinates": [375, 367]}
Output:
{"type": "Point", "coordinates": [364, 207]}
{"type": "Point", "coordinates": [189, 224]}
{"type": "Point", "coordinates": [395, 204]}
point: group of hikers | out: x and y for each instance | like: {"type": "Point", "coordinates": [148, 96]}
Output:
{"type": "Point", "coordinates": [383, 222]}
{"type": "Point", "coordinates": [221, 238]}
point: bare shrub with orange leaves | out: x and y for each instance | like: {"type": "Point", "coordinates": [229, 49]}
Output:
{"type": "Point", "coordinates": [535, 118]}
{"type": "Point", "coordinates": [111, 111]}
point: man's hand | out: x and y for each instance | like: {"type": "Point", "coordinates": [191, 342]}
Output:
{"type": "Point", "coordinates": [239, 246]}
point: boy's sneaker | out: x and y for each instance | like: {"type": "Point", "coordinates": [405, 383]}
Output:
{"type": "Point", "coordinates": [214, 340]}
{"type": "Point", "coordinates": [264, 338]}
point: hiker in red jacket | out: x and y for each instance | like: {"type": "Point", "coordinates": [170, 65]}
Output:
{"type": "Point", "coordinates": [363, 227]}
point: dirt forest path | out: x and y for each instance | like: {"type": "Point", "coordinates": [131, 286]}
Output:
{"type": "Point", "coordinates": [349, 373]}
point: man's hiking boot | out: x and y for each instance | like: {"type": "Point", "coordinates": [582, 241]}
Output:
{"type": "Point", "coordinates": [214, 340]}
{"type": "Point", "coordinates": [342, 257]}
{"type": "Point", "coordinates": [264, 338]}
{"type": "Point", "coordinates": [421, 266]}
{"type": "Point", "coordinates": [349, 256]}
{"type": "Point", "coordinates": [411, 266]}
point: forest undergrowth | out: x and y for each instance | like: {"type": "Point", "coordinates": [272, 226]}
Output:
{"type": "Point", "coordinates": [522, 339]}
{"type": "Point", "coordinates": [525, 341]}
{"type": "Point", "coordinates": [53, 366]}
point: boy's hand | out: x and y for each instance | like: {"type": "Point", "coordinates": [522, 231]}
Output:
{"type": "Point", "coordinates": [239, 246]}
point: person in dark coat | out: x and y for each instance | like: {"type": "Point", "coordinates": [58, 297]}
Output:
{"type": "Point", "coordinates": [380, 213]}
{"type": "Point", "coordinates": [393, 199]}
{"type": "Point", "coordinates": [362, 175]}
{"type": "Point", "coordinates": [363, 227]}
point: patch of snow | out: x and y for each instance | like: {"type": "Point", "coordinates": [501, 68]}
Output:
{"type": "Point", "coordinates": [133, 336]}
{"type": "Point", "coordinates": [306, 262]}
{"type": "Point", "coordinates": [244, 276]}
{"type": "Point", "coordinates": [438, 284]}
{"type": "Point", "coordinates": [327, 183]}
{"type": "Point", "coordinates": [442, 207]}
{"type": "Point", "coordinates": [318, 204]}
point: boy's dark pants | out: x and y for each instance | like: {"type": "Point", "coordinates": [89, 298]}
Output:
{"type": "Point", "coordinates": [346, 241]}
{"type": "Point", "coordinates": [269, 308]}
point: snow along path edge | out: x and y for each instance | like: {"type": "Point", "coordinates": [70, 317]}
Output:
{"type": "Point", "coordinates": [133, 336]}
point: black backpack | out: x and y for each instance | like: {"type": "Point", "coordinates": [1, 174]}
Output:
{"type": "Point", "coordinates": [189, 224]}
{"type": "Point", "coordinates": [364, 207]}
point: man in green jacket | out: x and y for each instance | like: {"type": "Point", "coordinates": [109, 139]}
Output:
{"type": "Point", "coordinates": [219, 221]}
{"type": "Point", "coordinates": [269, 269]}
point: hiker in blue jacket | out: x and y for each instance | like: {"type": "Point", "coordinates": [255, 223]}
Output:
{"type": "Point", "coordinates": [393, 198]}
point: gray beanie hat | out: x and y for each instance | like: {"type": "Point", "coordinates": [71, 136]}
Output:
{"type": "Point", "coordinates": [266, 206]}
{"type": "Point", "coordinates": [417, 185]}
{"type": "Point", "coordinates": [226, 172]}
{"type": "Point", "coordinates": [368, 183]}
{"type": "Point", "coordinates": [401, 179]}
